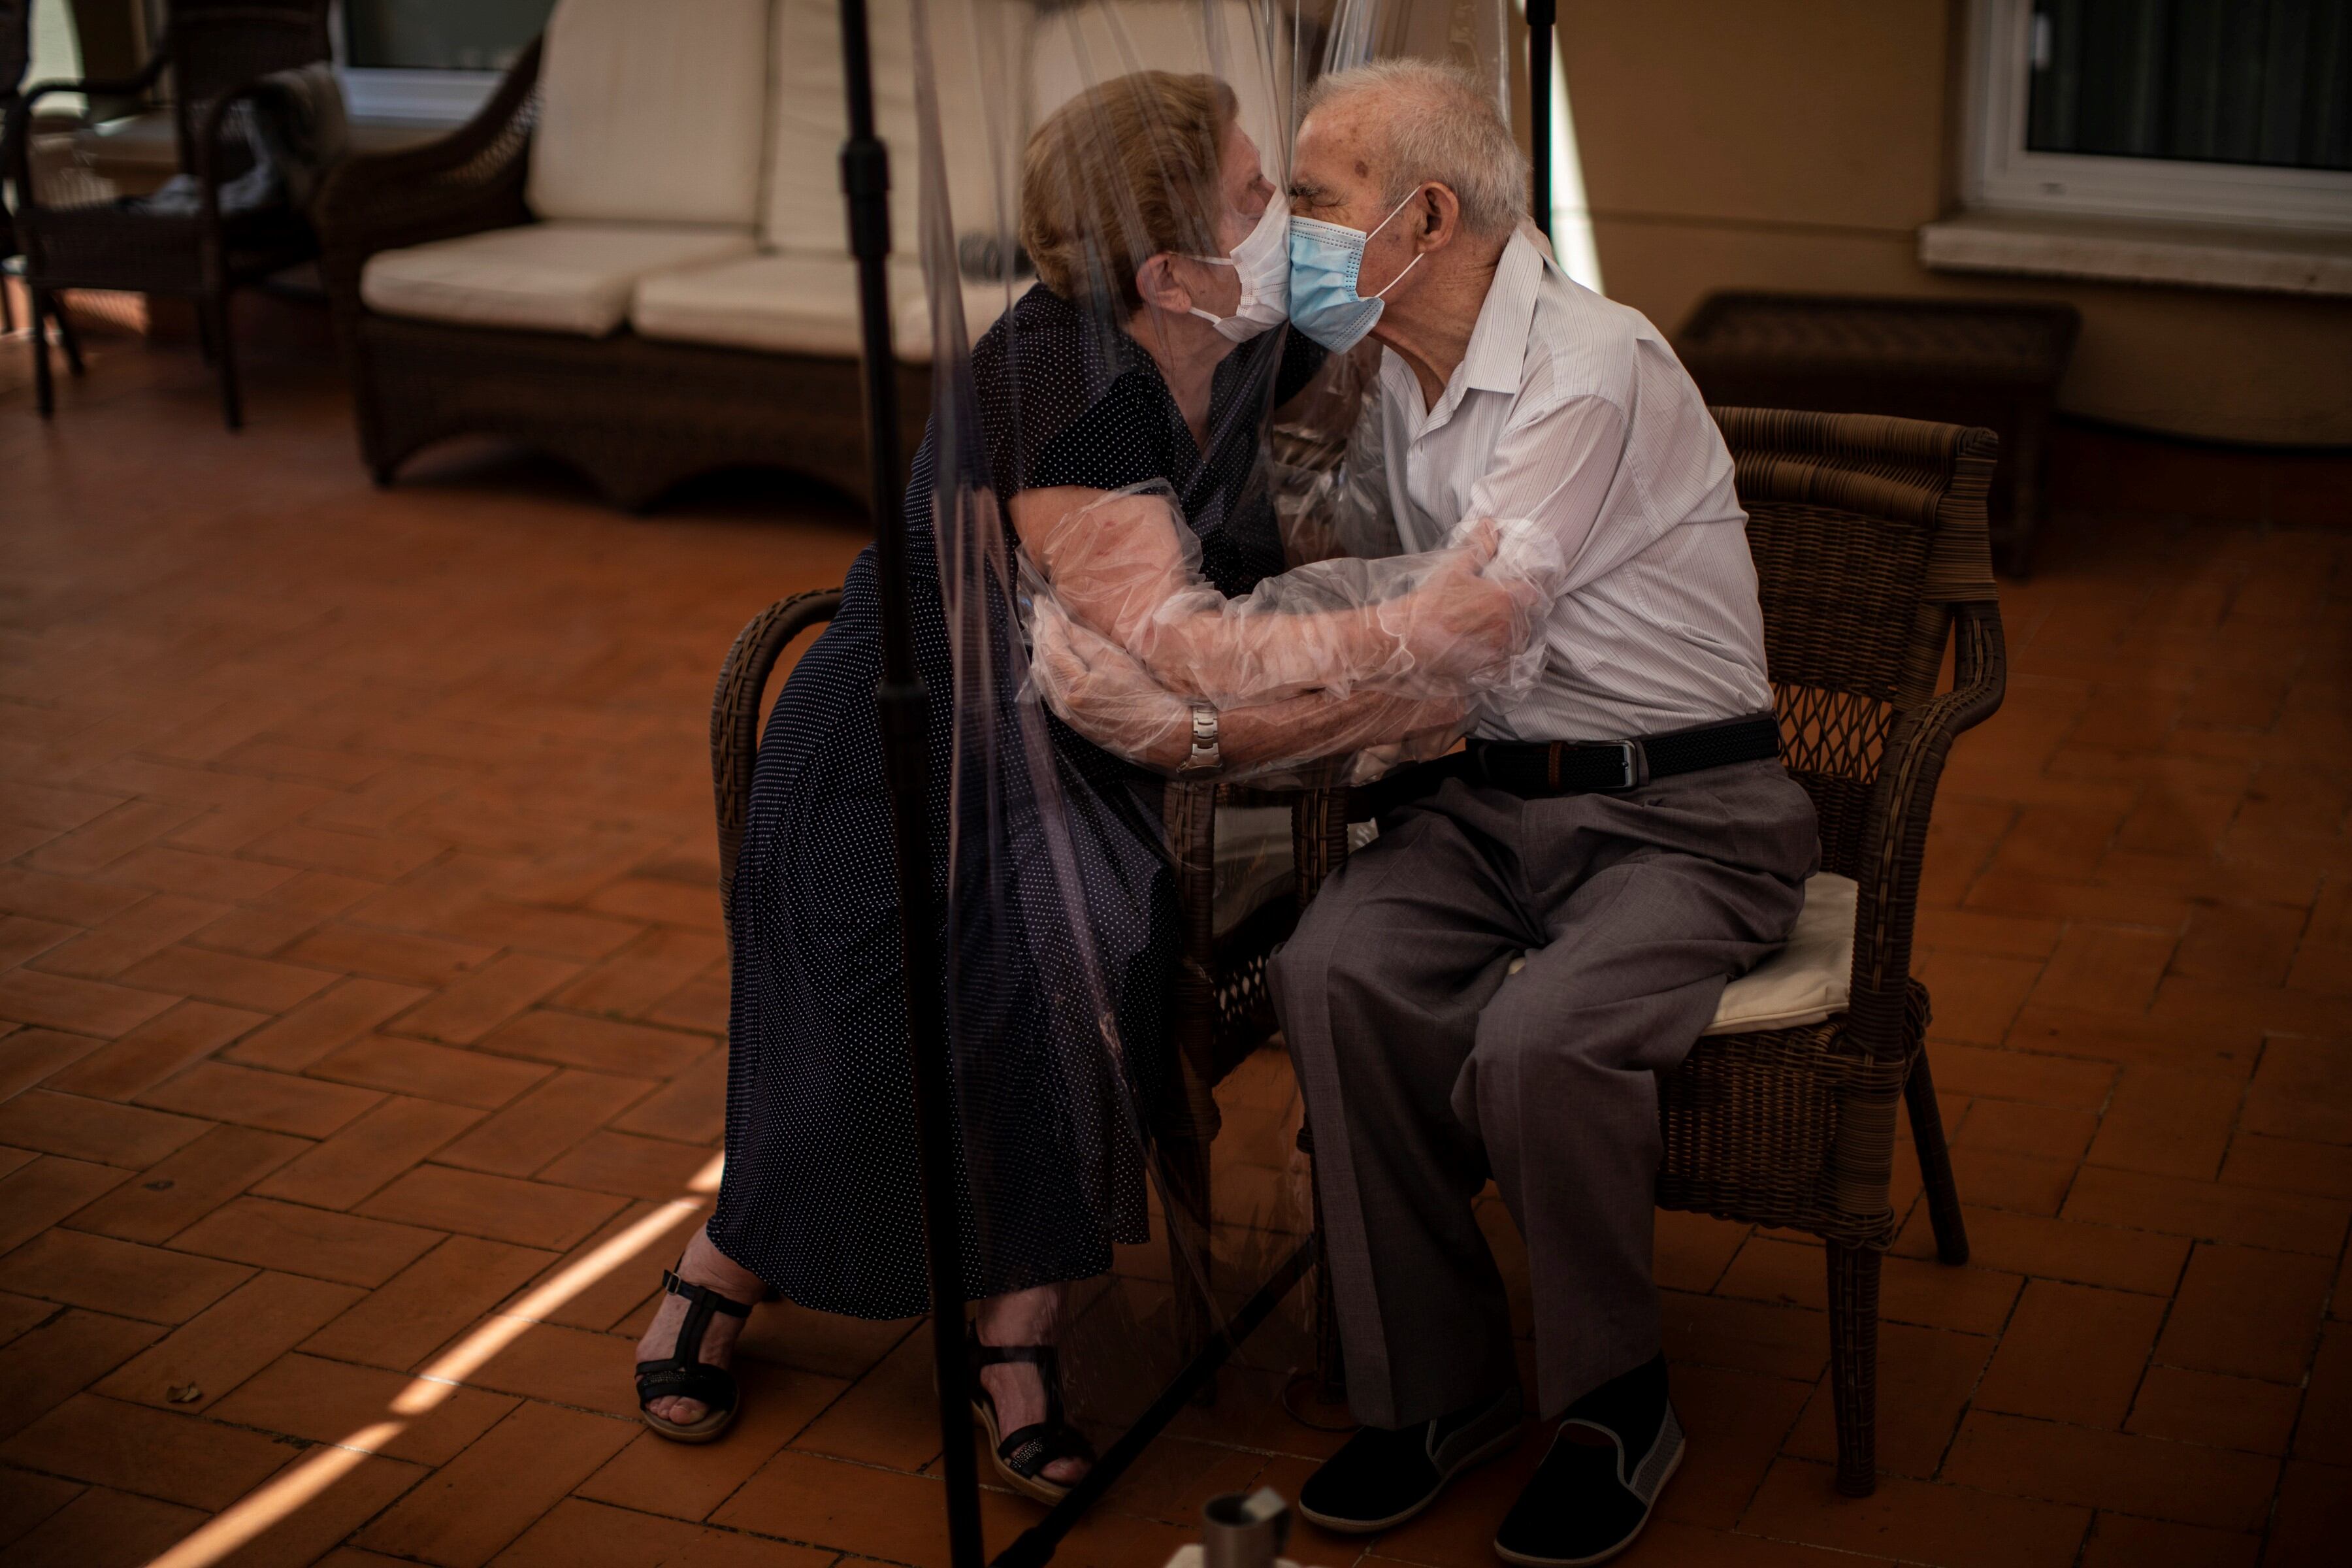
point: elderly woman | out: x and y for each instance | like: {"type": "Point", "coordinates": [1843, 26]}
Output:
{"type": "Point", "coordinates": [1152, 225]}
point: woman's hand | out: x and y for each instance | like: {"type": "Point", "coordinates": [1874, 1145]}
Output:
{"type": "Point", "coordinates": [1461, 622]}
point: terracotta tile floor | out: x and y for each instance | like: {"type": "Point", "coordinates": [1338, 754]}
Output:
{"type": "Point", "coordinates": [362, 992]}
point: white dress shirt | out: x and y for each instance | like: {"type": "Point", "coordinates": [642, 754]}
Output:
{"type": "Point", "coordinates": [1572, 412]}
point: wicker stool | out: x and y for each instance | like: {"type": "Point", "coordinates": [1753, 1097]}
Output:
{"type": "Point", "coordinates": [1959, 361]}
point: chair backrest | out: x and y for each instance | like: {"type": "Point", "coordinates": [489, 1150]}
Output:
{"type": "Point", "coordinates": [16, 47]}
{"type": "Point", "coordinates": [217, 44]}
{"type": "Point", "coordinates": [1869, 537]}
{"type": "Point", "coordinates": [16, 56]}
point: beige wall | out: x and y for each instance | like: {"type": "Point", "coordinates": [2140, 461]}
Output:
{"type": "Point", "coordinates": [1800, 143]}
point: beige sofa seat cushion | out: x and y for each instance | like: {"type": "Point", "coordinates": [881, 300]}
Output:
{"type": "Point", "coordinates": [1804, 982]}
{"type": "Point", "coordinates": [543, 276]}
{"type": "Point", "coordinates": [797, 304]}
{"type": "Point", "coordinates": [652, 113]}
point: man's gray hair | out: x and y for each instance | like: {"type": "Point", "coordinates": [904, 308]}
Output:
{"type": "Point", "coordinates": [1439, 123]}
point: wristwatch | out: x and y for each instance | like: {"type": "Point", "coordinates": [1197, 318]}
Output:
{"type": "Point", "coordinates": [1204, 758]}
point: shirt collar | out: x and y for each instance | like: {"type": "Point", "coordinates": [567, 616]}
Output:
{"type": "Point", "coordinates": [1498, 343]}
{"type": "Point", "coordinates": [1497, 358]}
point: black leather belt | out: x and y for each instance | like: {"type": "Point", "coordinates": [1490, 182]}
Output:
{"type": "Point", "coordinates": [1534, 769]}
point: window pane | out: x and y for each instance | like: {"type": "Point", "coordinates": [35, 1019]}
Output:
{"type": "Point", "coordinates": [2224, 81]}
{"type": "Point", "coordinates": [440, 35]}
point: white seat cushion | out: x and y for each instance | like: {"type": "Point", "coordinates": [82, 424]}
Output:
{"type": "Point", "coordinates": [652, 113]}
{"type": "Point", "coordinates": [543, 276]}
{"type": "Point", "coordinates": [796, 304]}
{"type": "Point", "coordinates": [1806, 981]}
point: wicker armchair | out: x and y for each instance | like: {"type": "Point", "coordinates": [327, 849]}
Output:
{"type": "Point", "coordinates": [1871, 548]}
{"type": "Point", "coordinates": [1222, 1009]}
{"type": "Point", "coordinates": [215, 54]}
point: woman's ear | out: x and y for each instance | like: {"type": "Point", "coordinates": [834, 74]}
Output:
{"type": "Point", "coordinates": [1156, 283]}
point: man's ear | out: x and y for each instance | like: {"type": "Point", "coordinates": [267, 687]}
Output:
{"type": "Point", "coordinates": [1156, 282]}
{"type": "Point", "coordinates": [1436, 216]}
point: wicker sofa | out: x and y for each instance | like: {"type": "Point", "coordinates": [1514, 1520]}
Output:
{"type": "Point", "coordinates": [634, 257]}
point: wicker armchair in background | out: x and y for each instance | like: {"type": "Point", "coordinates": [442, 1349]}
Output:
{"type": "Point", "coordinates": [1871, 549]}
{"type": "Point", "coordinates": [214, 54]}
{"type": "Point", "coordinates": [15, 54]}
{"type": "Point", "coordinates": [15, 58]}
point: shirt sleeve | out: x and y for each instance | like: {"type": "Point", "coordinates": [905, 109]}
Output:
{"type": "Point", "coordinates": [1553, 474]}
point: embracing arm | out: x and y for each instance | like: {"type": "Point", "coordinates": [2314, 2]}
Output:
{"type": "Point", "coordinates": [1123, 565]}
{"type": "Point", "coordinates": [1105, 694]}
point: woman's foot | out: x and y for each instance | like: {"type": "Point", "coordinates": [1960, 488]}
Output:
{"type": "Point", "coordinates": [1018, 1388]}
{"type": "Point", "coordinates": [703, 1265]}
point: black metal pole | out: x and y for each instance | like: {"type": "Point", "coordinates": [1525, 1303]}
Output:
{"type": "Point", "coordinates": [1541, 16]}
{"type": "Point", "coordinates": [899, 701]}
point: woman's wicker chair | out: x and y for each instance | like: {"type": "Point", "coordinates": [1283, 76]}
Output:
{"type": "Point", "coordinates": [215, 53]}
{"type": "Point", "coordinates": [1871, 549]}
{"type": "Point", "coordinates": [1221, 1011]}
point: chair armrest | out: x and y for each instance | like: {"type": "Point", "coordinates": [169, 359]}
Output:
{"type": "Point", "coordinates": [463, 183]}
{"type": "Point", "coordinates": [735, 714]}
{"type": "Point", "coordinates": [1318, 838]}
{"type": "Point", "coordinates": [15, 136]}
{"type": "Point", "coordinates": [1888, 898]}
{"type": "Point", "coordinates": [207, 152]}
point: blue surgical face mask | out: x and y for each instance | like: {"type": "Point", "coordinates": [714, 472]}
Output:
{"type": "Point", "coordinates": [1324, 258]}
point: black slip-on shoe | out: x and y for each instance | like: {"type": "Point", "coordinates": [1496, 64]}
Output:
{"type": "Point", "coordinates": [1382, 1476]}
{"type": "Point", "coordinates": [1589, 1499]}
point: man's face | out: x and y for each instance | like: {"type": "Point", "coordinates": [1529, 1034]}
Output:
{"type": "Point", "coordinates": [1337, 176]}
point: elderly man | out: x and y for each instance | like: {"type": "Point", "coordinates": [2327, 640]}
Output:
{"type": "Point", "coordinates": [1548, 918]}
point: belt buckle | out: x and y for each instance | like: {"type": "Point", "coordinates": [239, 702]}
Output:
{"type": "Point", "coordinates": [1637, 765]}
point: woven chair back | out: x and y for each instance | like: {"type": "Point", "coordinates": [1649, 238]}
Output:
{"type": "Point", "coordinates": [1868, 532]}
{"type": "Point", "coordinates": [216, 45]}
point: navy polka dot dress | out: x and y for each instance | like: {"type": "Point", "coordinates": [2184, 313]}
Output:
{"type": "Point", "coordinates": [1057, 979]}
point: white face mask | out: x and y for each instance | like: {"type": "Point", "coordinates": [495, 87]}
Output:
{"type": "Point", "coordinates": [1262, 264]}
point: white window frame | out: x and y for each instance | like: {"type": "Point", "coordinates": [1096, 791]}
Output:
{"type": "Point", "coordinates": [424, 97]}
{"type": "Point", "coordinates": [1999, 175]}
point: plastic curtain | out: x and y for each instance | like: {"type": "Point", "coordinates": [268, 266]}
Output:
{"type": "Point", "coordinates": [1127, 474]}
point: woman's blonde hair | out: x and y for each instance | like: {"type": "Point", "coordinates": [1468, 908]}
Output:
{"type": "Point", "coordinates": [1122, 171]}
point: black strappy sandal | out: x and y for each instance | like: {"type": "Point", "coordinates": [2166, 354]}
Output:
{"type": "Point", "coordinates": [1022, 1456]}
{"type": "Point", "coordinates": [682, 1376]}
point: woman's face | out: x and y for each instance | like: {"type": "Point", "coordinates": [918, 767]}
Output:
{"type": "Point", "coordinates": [1243, 192]}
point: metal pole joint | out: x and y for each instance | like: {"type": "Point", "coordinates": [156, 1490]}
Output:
{"type": "Point", "coordinates": [865, 180]}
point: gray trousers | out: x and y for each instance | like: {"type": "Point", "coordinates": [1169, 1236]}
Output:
{"type": "Point", "coordinates": [1427, 1068]}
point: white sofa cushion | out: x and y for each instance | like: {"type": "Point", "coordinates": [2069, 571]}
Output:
{"type": "Point", "coordinates": [545, 277]}
{"type": "Point", "coordinates": [1806, 981]}
{"type": "Point", "coordinates": [797, 304]}
{"type": "Point", "coordinates": [1078, 47]}
{"type": "Point", "coordinates": [652, 113]}
{"type": "Point", "coordinates": [802, 209]}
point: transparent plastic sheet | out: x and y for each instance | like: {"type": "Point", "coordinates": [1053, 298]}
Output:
{"type": "Point", "coordinates": [1116, 532]}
